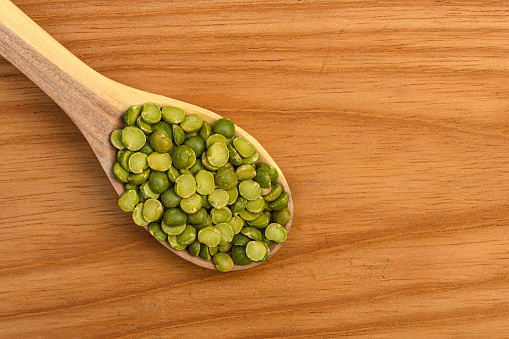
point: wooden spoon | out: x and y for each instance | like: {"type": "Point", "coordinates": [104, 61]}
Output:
{"type": "Point", "coordinates": [93, 102]}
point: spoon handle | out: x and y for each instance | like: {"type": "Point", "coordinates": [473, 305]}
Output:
{"type": "Point", "coordinates": [91, 100]}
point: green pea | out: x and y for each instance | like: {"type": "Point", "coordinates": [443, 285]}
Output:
{"type": "Point", "coordinates": [280, 202]}
{"type": "Point", "coordinates": [226, 178]}
{"type": "Point", "coordinates": [252, 159]}
{"type": "Point", "coordinates": [236, 223]}
{"type": "Point", "coordinates": [172, 230]}
{"type": "Point", "coordinates": [256, 206]}
{"type": "Point", "coordinates": [155, 229]}
{"type": "Point", "coordinates": [138, 162]}
{"type": "Point", "coordinates": [224, 247]}
{"type": "Point", "coordinates": [265, 191]}
{"type": "Point", "coordinates": [144, 126]}
{"type": "Point", "coordinates": [266, 241]}
{"type": "Point", "coordinates": [233, 156]}
{"type": "Point", "coordinates": [229, 165]}
{"type": "Point", "coordinates": [244, 148]}
{"type": "Point", "coordinates": [174, 217]}
{"type": "Point", "coordinates": [274, 193]}
{"type": "Point", "coordinates": [223, 261]}
{"type": "Point", "coordinates": [217, 155]}
{"type": "Point", "coordinates": [213, 250]}
{"type": "Point", "coordinates": [239, 255]}
{"type": "Point", "coordinates": [120, 173]}
{"type": "Point", "coordinates": [216, 139]}
{"type": "Point", "coordinates": [159, 161]}
{"type": "Point", "coordinates": [151, 113]}
{"type": "Point", "coordinates": [206, 163]}
{"type": "Point", "coordinates": [219, 198]}
{"type": "Point", "coordinates": [146, 149]}
{"type": "Point", "coordinates": [119, 153]}
{"type": "Point", "coordinates": [164, 127]}
{"type": "Point", "coordinates": [261, 221]}
{"type": "Point", "coordinates": [194, 248]}
{"type": "Point", "coordinates": [256, 250]}
{"type": "Point", "coordinates": [245, 172]}
{"type": "Point", "coordinates": [173, 115]}
{"type": "Point", "coordinates": [205, 202]}
{"type": "Point", "coordinates": [281, 216]}
{"type": "Point", "coordinates": [158, 182]}
{"type": "Point", "coordinates": [142, 198]}
{"type": "Point", "coordinates": [183, 157]}
{"type": "Point", "coordinates": [116, 139]}
{"type": "Point", "coordinates": [205, 184]}
{"type": "Point", "coordinates": [271, 170]}
{"type": "Point", "coordinates": [252, 233]}
{"type": "Point", "coordinates": [133, 138]}
{"type": "Point", "coordinates": [205, 131]}
{"type": "Point", "coordinates": [263, 166]}
{"type": "Point", "coordinates": [206, 223]}
{"type": "Point", "coordinates": [209, 236]}
{"type": "Point", "coordinates": [160, 142]}
{"type": "Point", "coordinates": [128, 200]}
{"type": "Point", "coordinates": [267, 254]}
{"type": "Point", "coordinates": [263, 178]}
{"type": "Point", "coordinates": [191, 204]}
{"type": "Point", "coordinates": [185, 185]}
{"type": "Point", "coordinates": [172, 173]}
{"type": "Point", "coordinates": [197, 167]}
{"type": "Point", "coordinates": [226, 233]}
{"type": "Point", "coordinates": [248, 216]}
{"type": "Point", "coordinates": [147, 192]}
{"type": "Point", "coordinates": [170, 199]}
{"type": "Point", "coordinates": [128, 186]}
{"type": "Point", "coordinates": [196, 144]}
{"type": "Point", "coordinates": [240, 239]}
{"type": "Point", "coordinates": [173, 241]}
{"type": "Point", "coordinates": [225, 127]}
{"type": "Point", "coordinates": [152, 210]}
{"type": "Point", "coordinates": [192, 123]}
{"type": "Point", "coordinates": [220, 215]}
{"type": "Point", "coordinates": [188, 236]}
{"type": "Point", "coordinates": [179, 136]}
{"type": "Point", "coordinates": [239, 205]}
{"type": "Point", "coordinates": [124, 159]}
{"type": "Point", "coordinates": [131, 115]}
{"type": "Point", "coordinates": [274, 175]}
{"type": "Point", "coordinates": [276, 232]}
{"type": "Point", "coordinates": [185, 171]}
{"type": "Point", "coordinates": [138, 215]}
{"type": "Point", "coordinates": [249, 189]}
{"type": "Point", "coordinates": [233, 194]}
{"type": "Point", "coordinates": [204, 252]}
{"type": "Point", "coordinates": [140, 178]}
{"type": "Point", "coordinates": [192, 134]}
{"type": "Point", "coordinates": [199, 217]}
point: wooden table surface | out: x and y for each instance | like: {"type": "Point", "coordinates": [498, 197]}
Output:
{"type": "Point", "coordinates": [389, 119]}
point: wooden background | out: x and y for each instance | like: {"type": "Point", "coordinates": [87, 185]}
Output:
{"type": "Point", "coordinates": [389, 119]}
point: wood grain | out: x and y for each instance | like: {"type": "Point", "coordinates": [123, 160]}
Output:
{"type": "Point", "coordinates": [389, 120]}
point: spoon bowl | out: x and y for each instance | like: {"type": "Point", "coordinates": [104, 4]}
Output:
{"type": "Point", "coordinates": [95, 103]}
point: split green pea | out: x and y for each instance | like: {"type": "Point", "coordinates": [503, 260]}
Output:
{"type": "Point", "coordinates": [198, 187]}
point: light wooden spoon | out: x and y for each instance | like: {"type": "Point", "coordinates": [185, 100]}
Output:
{"type": "Point", "coordinates": [93, 102]}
